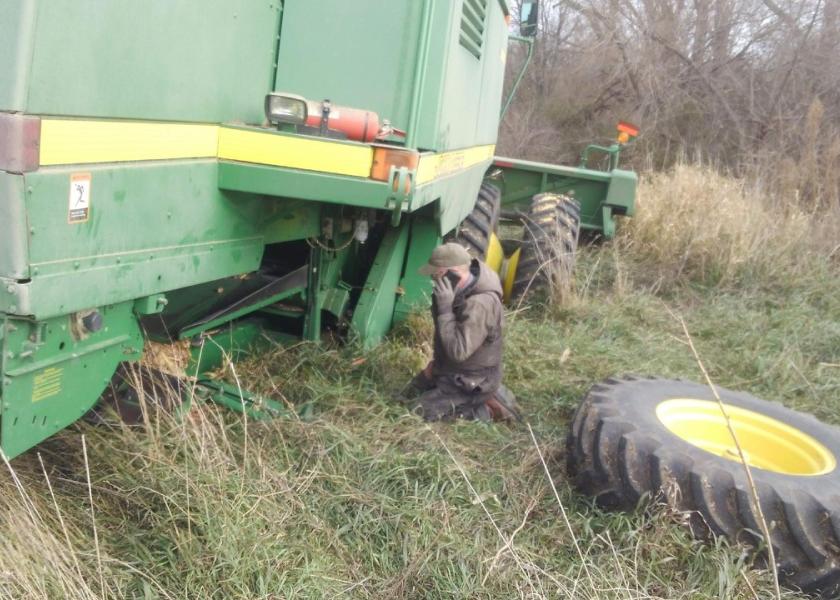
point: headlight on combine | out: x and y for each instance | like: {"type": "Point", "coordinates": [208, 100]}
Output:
{"type": "Point", "coordinates": [285, 108]}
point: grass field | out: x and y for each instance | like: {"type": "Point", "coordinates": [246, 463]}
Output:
{"type": "Point", "coordinates": [366, 501]}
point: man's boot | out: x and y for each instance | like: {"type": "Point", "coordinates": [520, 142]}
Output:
{"type": "Point", "coordinates": [502, 405]}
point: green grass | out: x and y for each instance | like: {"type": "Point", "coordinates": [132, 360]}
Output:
{"type": "Point", "coordinates": [367, 501]}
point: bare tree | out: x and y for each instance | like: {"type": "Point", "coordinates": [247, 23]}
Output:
{"type": "Point", "coordinates": [733, 81]}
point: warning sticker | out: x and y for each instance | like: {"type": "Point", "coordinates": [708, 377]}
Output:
{"type": "Point", "coordinates": [79, 203]}
{"type": "Point", "coordinates": [47, 383]}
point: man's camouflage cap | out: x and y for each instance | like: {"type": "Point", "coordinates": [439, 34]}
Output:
{"type": "Point", "coordinates": [446, 256]}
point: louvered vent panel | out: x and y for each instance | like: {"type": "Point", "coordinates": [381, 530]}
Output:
{"type": "Point", "coordinates": [472, 26]}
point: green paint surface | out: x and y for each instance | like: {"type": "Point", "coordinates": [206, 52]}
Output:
{"type": "Point", "coordinates": [17, 26]}
{"type": "Point", "coordinates": [14, 251]}
{"type": "Point", "coordinates": [456, 97]}
{"type": "Point", "coordinates": [416, 289]}
{"type": "Point", "coordinates": [160, 59]}
{"type": "Point", "coordinates": [374, 72]}
{"type": "Point", "coordinates": [51, 377]}
{"type": "Point", "coordinates": [375, 308]}
{"type": "Point", "coordinates": [153, 227]}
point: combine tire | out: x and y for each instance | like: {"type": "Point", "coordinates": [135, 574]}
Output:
{"type": "Point", "coordinates": [547, 258]}
{"type": "Point", "coordinates": [476, 230]}
{"type": "Point", "coordinates": [634, 438]}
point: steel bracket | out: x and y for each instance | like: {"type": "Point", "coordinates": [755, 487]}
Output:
{"type": "Point", "coordinates": [401, 186]}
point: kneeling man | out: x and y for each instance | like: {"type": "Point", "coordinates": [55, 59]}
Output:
{"type": "Point", "coordinates": [464, 378]}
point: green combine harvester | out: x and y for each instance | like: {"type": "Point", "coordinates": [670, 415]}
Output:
{"type": "Point", "coordinates": [185, 182]}
{"type": "Point", "coordinates": [217, 174]}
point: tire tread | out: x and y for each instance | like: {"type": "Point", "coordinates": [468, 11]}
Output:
{"type": "Point", "coordinates": [612, 460]}
{"type": "Point", "coordinates": [475, 230]}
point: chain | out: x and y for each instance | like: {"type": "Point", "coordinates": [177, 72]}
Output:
{"type": "Point", "coordinates": [316, 243]}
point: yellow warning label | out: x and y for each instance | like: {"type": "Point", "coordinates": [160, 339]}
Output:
{"type": "Point", "coordinates": [47, 383]}
{"type": "Point", "coordinates": [434, 166]}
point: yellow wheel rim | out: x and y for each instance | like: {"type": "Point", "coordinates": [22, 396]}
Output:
{"type": "Point", "coordinates": [495, 254]}
{"type": "Point", "coordinates": [767, 443]}
{"type": "Point", "coordinates": [509, 275]}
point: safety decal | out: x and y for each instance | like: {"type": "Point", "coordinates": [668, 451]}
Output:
{"type": "Point", "coordinates": [47, 383]}
{"type": "Point", "coordinates": [79, 202]}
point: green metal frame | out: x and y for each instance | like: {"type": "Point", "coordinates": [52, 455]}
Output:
{"type": "Point", "coordinates": [50, 375]}
{"type": "Point", "coordinates": [374, 311]}
{"type": "Point", "coordinates": [602, 194]}
{"type": "Point", "coordinates": [256, 406]}
{"type": "Point", "coordinates": [529, 42]}
{"type": "Point", "coordinates": [415, 290]}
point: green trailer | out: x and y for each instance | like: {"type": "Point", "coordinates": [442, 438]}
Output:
{"type": "Point", "coordinates": [602, 195]}
{"type": "Point", "coordinates": [147, 196]}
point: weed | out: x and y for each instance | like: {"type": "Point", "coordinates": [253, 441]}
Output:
{"type": "Point", "coordinates": [695, 225]}
{"type": "Point", "coordinates": [367, 501]}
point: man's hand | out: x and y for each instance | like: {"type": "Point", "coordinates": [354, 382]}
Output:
{"type": "Point", "coordinates": [444, 295]}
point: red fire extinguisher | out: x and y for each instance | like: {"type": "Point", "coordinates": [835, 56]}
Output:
{"type": "Point", "coordinates": [355, 123]}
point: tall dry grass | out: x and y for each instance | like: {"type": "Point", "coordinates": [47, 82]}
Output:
{"type": "Point", "coordinates": [694, 224]}
{"type": "Point", "coordinates": [811, 176]}
{"type": "Point", "coordinates": [363, 502]}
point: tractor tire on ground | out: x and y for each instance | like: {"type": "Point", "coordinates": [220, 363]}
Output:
{"type": "Point", "coordinates": [476, 230]}
{"type": "Point", "coordinates": [666, 440]}
{"type": "Point", "coordinates": [549, 246]}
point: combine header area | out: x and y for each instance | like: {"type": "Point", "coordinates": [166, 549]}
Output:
{"type": "Point", "coordinates": [240, 172]}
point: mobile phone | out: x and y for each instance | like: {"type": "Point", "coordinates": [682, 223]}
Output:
{"type": "Point", "coordinates": [453, 278]}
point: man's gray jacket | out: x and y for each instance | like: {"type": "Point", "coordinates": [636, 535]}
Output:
{"type": "Point", "coordinates": [468, 340]}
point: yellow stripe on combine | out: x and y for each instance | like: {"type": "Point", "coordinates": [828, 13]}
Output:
{"type": "Point", "coordinates": [435, 166]}
{"type": "Point", "coordinates": [295, 152]}
{"type": "Point", "coordinates": [78, 141]}
{"type": "Point", "coordinates": [68, 142]}
{"type": "Point", "coordinates": [73, 142]}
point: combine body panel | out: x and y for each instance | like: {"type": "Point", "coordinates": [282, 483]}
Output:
{"type": "Point", "coordinates": [392, 64]}
{"type": "Point", "coordinates": [142, 196]}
